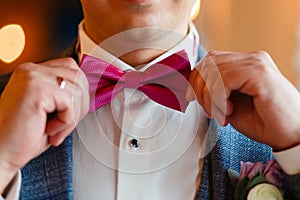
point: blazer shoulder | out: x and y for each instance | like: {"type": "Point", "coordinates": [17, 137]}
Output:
{"type": "Point", "coordinates": [71, 51]}
{"type": "Point", "coordinates": [4, 80]}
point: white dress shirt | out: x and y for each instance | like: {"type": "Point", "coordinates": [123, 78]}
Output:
{"type": "Point", "coordinates": [134, 148]}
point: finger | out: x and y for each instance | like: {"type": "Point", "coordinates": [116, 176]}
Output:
{"type": "Point", "coordinates": [219, 115]}
{"type": "Point", "coordinates": [81, 99]}
{"type": "Point", "coordinates": [198, 78]}
{"type": "Point", "coordinates": [221, 106]}
{"type": "Point", "coordinates": [79, 90]}
{"type": "Point", "coordinates": [62, 62]}
{"type": "Point", "coordinates": [200, 89]}
{"type": "Point", "coordinates": [190, 94]}
{"type": "Point", "coordinates": [221, 57]}
{"type": "Point", "coordinates": [215, 103]}
{"type": "Point", "coordinates": [223, 72]}
{"type": "Point", "coordinates": [220, 95]}
{"type": "Point", "coordinates": [58, 138]}
{"type": "Point", "coordinates": [243, 109]}
{"type": "Point", "coordinates": [206, 101]}
{"type": "Point", "coordinates": [206, 81]}
{"type": "Point", "coordinates": [64, 109]}
{"type": "Point", "coordinates": [63, 72]}
{"type": "Point", "coordinates": [214, 52]}
{"type": "Point", "coordinates": [211, 98]}
{"type": "Point", "coordinates": [214, 95]}
{"type": "Point", "coordinates": [72, 104]}
{"type": "Point", "coordinates": [57, 124]}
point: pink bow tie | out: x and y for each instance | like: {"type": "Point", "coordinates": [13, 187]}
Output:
{"type": "Point", "coordinates": [164, 82]}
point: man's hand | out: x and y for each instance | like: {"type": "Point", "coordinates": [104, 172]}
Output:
{"type": "Point", "coordinates": [248, 91]}
{"type": "Point", "coordinates": [30, 97]}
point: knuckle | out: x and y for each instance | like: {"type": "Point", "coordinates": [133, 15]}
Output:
{"type": "Point", "coordinates": [261, 59]}
{"type": "Point", "coordinates": [211, 52]}
{"type": "Point", "coordinates": [70, 62]}
{"type": "Point", "coordinates": [210, 55]}
{"type": "Point", "coordinates": [25, 67]}
{"type": "Point", "coordinates": [261, 54]}
{"type": "Point", "coordinates": [29, 74]}
{"type": "Point", "coordinates": [33, 82]}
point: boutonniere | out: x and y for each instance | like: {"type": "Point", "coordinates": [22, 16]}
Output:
{"type": "Point", "coordinates": [257, 181]}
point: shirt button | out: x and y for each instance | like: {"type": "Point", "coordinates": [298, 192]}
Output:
{"type": "Point", "coordinates": [134, 143]}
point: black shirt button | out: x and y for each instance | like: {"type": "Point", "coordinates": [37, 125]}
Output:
{"type": "Point", "coordinates": [134, 143]}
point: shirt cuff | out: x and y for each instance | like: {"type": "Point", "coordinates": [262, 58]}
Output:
{"type": "Point", "coordinates": [289, 160]}
{"type": "Point", "coordinates": [14, 190]}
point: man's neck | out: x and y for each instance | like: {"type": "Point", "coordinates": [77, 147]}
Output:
{"type": "Point", "coordinates": [141, 57]}
{"type": "Point", "coordinates": [137, 47]}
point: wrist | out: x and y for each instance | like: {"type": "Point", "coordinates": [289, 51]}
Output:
{"type": "Point", "coordinates": [288, 160]}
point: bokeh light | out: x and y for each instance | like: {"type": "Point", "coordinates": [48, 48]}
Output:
{"type": "Point", "coordinates": [195, 10]}
{"type": "Point", "coordinates": [12, 42]}
{"type": "Point", "coordinates": [50, 27]}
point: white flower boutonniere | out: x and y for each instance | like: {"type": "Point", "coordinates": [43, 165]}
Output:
{"type": "Point", "coordinates": [257, 181]}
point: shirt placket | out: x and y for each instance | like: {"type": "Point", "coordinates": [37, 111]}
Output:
{"type": "Point", "coordinates": [130, 145]}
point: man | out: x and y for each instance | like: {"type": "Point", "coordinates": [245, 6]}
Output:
{"type": "Point", "coordinates": [133, 147]}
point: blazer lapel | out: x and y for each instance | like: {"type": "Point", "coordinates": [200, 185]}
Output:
{"type": "Point", "coordinates": [226, 148]}
{"type": "Point", "coordinates": [216, 163]}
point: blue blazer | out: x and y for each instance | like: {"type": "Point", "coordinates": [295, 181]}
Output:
{"type": "Point", "coordinates": [49, 176]}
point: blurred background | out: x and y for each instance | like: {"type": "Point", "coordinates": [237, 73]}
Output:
{"type": "Point", "coordinates": [49, 25]}
{"type": "Point", "coordinates": [231, 25]}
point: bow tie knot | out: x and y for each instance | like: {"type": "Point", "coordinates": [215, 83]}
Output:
{"type": "Point", "coordinates": [132, 79]}
{"type": "Point", "coordinates": [164, 82]}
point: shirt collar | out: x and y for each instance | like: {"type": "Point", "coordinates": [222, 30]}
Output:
{"type": "Point", "coordinates": [87, 46]}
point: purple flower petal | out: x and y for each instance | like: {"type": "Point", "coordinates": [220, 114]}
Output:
{"type": "Point", "coordinates": [250, 169]}
{"type": "Point", "coordinates": [258, 167]}
{"type": "Point", "coordinates": [245, 168]}
{"type": "Point", "coordinates": [273, 173]}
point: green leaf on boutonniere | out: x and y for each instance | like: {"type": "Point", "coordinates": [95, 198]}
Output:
{"type": "Point", "coordinates": [233, 177]}
{"type": "Point", "coordinates": [245, 185]}
{"type": "Point", "coordinates": [257, 179]}
{"type": "Point", "coordinates": [240, 187]}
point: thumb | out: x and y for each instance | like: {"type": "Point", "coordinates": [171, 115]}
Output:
{"type": "Point", "coordinates": [190, 95]}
